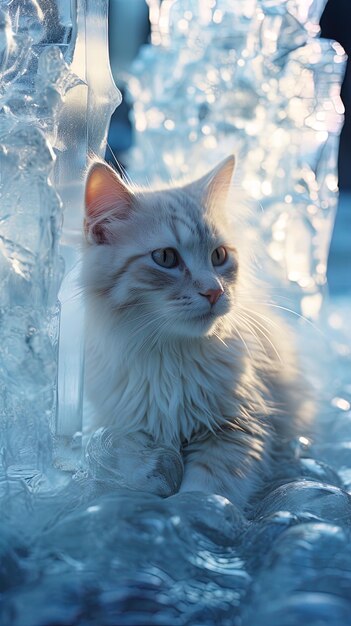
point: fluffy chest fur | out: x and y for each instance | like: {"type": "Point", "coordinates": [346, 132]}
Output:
{"type": "Point", "coordinates": [179, 344]}
{"type": "Point", "coordinates": [175, 391]}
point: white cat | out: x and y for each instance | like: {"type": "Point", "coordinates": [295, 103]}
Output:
{"type": "Point", "coordinates": [182, 352]}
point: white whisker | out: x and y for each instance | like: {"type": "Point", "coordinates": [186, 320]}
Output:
{"type": "Point", "coordinates": [305, 319]}
{"type": "Point", "coordinates": [260, 315]}
{"type": "Point", "coordinates": [251, 329]}
{"type": "Point", "coordinates": [220, 339]}
{"type": "Point", "coordinates": [259, 327]}
{"type": "Point", "coordinates": [242, 338]}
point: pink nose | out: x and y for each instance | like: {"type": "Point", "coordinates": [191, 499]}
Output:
{"type": "Point", "coordinates": [212, 295]}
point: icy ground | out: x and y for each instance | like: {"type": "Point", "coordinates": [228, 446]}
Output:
{"type": "Point", "coordinates": [87, 554]}
{"type": "Point", "coordinates": [90, 555]}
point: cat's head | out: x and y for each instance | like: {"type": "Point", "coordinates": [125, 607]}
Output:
{"type": "Point", "coordinates": [162, 260]}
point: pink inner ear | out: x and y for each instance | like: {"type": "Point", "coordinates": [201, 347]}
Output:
{"type": "Point", "coordinates": [106, 198]}
{"type": "Point", "coordinates": [105, 193]}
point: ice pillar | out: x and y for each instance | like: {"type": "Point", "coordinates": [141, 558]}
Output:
{"type": "Point", "coordinates": [251, 78]}
{"type": "Point", "coordinates": [82, 130]}
{"type": "Point", "coordinates": [56, 97]}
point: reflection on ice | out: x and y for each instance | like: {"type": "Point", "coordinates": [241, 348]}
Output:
{"type": "Point", "coordinates": [318, 501]}
{"type": "Point", "coordinates": [312, 561]}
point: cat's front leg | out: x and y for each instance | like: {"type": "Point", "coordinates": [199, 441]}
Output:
{"type": "Point", "coordinates": [134, 461]}
{"type": "Point", "coordinates": [227, 464]}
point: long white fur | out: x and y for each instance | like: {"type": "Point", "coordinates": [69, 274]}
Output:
{"type": "Point", "coordinates": [221, 395]}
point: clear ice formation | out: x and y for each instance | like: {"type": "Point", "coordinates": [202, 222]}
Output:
{"type": "Point", "coordinates": [56, 97]}
{"type": "Point", "coordinates": [34, 80]}
{"type": "Point", "coordinates": [84, 549]}
{"type": "Point", "coordinates": [251, 78]}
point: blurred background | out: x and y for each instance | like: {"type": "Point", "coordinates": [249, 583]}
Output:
{"type": "Point", "coordinates": [129, 29]}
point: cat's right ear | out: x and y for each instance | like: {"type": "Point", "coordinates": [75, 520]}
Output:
{"type": "Point", "coordinates": [107, 199]}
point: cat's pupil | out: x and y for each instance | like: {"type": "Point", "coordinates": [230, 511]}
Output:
{"type": "Point", "coordinates": [165, 257]}
{"type": "Point", "coordinates": [219, 256]}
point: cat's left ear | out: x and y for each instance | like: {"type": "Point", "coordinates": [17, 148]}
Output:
{"type": "Point", "coordinates": [215, 185]}
{"type": "Point", "coordinates": [107, 199]}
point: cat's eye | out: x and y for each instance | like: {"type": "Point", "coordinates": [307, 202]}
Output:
{"type": "Point", "coordinates": [166, 257]}
{"type": "Point", "coordinates": [219, 256]}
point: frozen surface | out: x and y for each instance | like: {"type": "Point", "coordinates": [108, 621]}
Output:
{"type": "Point", "coordinates": [85, 550]}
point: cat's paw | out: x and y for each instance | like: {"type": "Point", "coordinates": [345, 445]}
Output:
{"type": "Point", "coordinates": [165, 472]}
{"type": "Point", "coordinates": [134, 461]}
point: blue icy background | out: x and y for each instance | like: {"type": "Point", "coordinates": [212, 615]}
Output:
{"type": "Point", "coordinates": [80, 552]}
